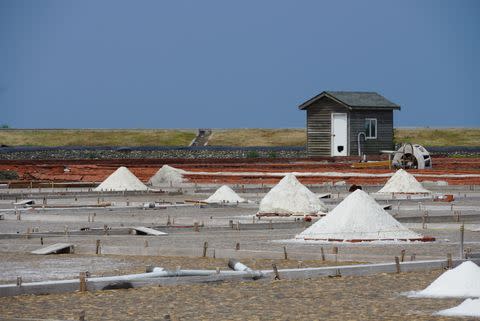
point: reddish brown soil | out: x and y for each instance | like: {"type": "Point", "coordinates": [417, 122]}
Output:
{"type": "Point", "coordinates": [98, 170]}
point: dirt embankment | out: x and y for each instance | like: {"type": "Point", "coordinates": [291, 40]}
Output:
{"type": "Point", "coordinates": [240, 171]}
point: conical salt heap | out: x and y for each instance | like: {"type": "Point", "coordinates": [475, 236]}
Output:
{"type": "Point", "coordinates": [121, 180]}
{"type": "Point", "coordinates": [460, 282]}
{"type": "Point", "coordinates": [167, 175]}
{"type": "Point", "coordinates": [224, 195]}
{"type": "Point", "coordinates": [290, 197]}
{"type": "Point", "coordinates": [403, 182]}
{"type": "Point", "coordinates": [358, 218]}
{"type": "Point", "coordinates": [468, 308]}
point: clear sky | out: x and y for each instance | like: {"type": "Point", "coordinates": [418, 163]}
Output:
{"type": "Point", "coordinates": [220, 64]}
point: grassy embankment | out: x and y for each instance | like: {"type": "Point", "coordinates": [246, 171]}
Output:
{"type": "Point", "coordinates": [297, 137]}
{"type": "Point", "coordinates": [89, 137]}
{"type": "Point", "coordinates": [228, 137]}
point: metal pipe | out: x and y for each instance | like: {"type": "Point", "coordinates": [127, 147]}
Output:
{"type": "Point", "coordinates": [358, 142]}
{"type": "Point", "coordinates": [157, 272]}
{"type": "Point", "coordinates": [238, 266]}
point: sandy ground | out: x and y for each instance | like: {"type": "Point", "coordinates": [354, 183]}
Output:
{"type": "Point", "coordinates": [346, 298]}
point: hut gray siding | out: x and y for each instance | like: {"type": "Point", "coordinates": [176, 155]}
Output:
{"type": "Point", "coordinates": [384, 140]}
{"type": "Point", "coordinates": [319, 126]}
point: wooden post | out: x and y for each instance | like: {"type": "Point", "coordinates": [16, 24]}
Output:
{"type": "Point", "coordinates": [449, 261]}
{"type": "Point", "coordinates": [397, 264]}
{"type": "Point", "coordinates": [83, 282]}
{"type": "Point", "coordinates": [237, 246]}
{"type": "Point", "coordinates": [285, 255]}
{"type": "Point", "coordinates": [275, 271]}
{"type": "Point", "coordinates": [98, 249]}
{"type": "Point", "coordinates": [323, 254]}
{"type": "Point", "coordinates": [402, 255]}
{"type": "Point", "coordinates": [462, 234]}
{"type": "Point", "coordinates": [335, 251]}
{"type": "Point", "coordinates": [205, 247]}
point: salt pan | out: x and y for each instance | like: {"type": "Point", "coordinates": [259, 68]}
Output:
{"type": "Point", "coordinates": [460, 282]}
{"type": "Point", "coordinates": [358, 217]}
{"type": "Point", "coordinates": [167, 175]}
{"type": "Point", "coordinates": [468, 308]}
{"type": "Point", "coordinates": [121, 180]}
{"type": "Point", "coordinates": [224, 195]}
{"type": "Point", "coordinates": [291, 197]}
{"type": "Point", "coordinates": [403, 182]}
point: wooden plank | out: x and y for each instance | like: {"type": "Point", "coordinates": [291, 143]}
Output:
{"type": "Point", "coordinates": [55, 249]}
{"type": "Point", "coordinates": [325, 195]}
{"type": "Point", "coordinates": [148, 231]}
{"type": "Point", "coordinates": [371, 164]}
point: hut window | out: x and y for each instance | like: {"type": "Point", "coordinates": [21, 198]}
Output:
{"type": "Point", "coordinates": [370, 128]}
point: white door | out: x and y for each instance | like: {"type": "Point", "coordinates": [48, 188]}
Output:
{"type": "Point", "coordinates": [339, 134]}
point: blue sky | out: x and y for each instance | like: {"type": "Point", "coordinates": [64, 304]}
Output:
{"type": "Point", "coordinates": [220, 64]}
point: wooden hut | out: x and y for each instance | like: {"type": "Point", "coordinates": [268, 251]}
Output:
{"type": "Point", "coordinates": [337, 121]}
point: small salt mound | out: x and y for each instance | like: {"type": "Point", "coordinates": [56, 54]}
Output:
{"type": "Point", "coordinates": [167, 175]}
{"type": "Point", "coordinates": [224, 195]}
{"type": "Point", "coordinates": [468, 308]}
{"type": "Point", "coordinates": [121, 180]}
{"type": "Point", "coordinates": [403, 182]}
{"type": "Point", "coordinates": [358, 217]}
{"type": "Point", "coordinates": [460, 282]}
{"type": "Point", "coordinates": [290, 196]}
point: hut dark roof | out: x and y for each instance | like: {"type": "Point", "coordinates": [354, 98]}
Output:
{"type": "Point", "coordinates": [354, 100]}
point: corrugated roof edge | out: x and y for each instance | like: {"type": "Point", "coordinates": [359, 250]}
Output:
{"type": "Point", "coordinates": [330, 94]}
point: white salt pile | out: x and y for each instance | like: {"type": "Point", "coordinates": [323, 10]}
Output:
{"type": "Point", "coordinates": [121, 180]}
{"type": "Point", "coordinates": [460, 282]}
{"type": "Point", "coordinates": [468, 308]}
{"type": "Point", "coordinates": [167, 175]}
{"type": "Point", "coordinates": [403, 182]}
{"type": "Point", "coordinates": [290, 197]}
{"type": "Point", "coordinates": [358, 218]}
{"type": "Point", "coordinates": [224, 195]}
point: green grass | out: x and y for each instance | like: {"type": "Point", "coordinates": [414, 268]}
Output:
{"type": "Point", "coordinates": [87, 137]}
{"type": "Point", "coordinates": [439, 137]}
{"type": "Point", "coordinates": [258, 137]}
{"type": "Point", "coordinates": [227, 137]}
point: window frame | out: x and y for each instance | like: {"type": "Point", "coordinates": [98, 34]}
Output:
{"type": "Point", "coordinates": [367, 134]}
